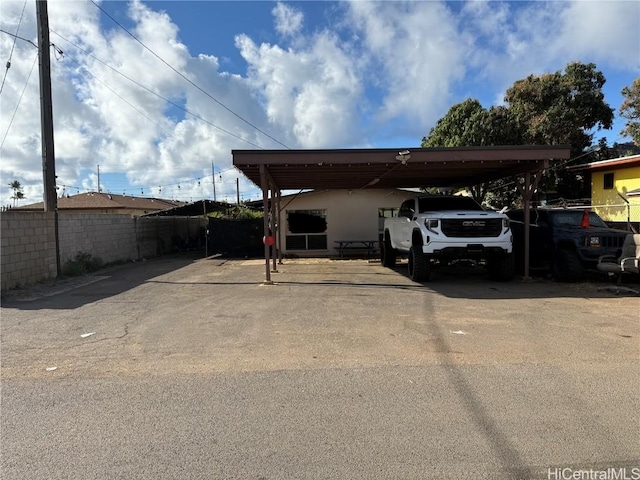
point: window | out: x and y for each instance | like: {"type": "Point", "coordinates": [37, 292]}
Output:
{"type": "Point", "coordinates": [385, 213]}
{"type": "Point", "coordinates": [407, 209]}
{"type": "Point", "coordinates": [608, 181]}
{"type": "Point", "coordinates": [306, 230]}
{"type": "Point", "coordinates": [438, 203]}
{"type": "Point", "coordinates": [573, 218]}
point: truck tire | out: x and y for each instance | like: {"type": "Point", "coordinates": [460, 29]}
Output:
{"type": "Point", "coordinates": [501, 268]}
{"type": "Point", "coordinates": [419, 265]}
{"type": "Point", "coordinates": [387, 253]}
{"type": "Point", "coordinates": [566, 266]}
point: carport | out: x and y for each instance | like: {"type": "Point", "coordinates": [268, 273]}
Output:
{"type": "Point", "coordinates": [276, 170]}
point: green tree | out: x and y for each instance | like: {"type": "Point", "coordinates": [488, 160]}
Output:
{"type": "Point", "coordinates": [561, 108]}
{"type": "Point", "coordinates": [18, 194]}
{"type": "Point", "coordinates": [469, 124]}
{"type": "Point", "coordinates": [630, 109]}
{"type": "Point", "coordinates": [549, 109]}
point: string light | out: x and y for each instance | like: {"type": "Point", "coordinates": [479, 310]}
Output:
{"type": "Point", "coordinates": [194, 182]}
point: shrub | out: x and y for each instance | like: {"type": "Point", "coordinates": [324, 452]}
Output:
{"type": "Point", "coordinates": [81, 265]}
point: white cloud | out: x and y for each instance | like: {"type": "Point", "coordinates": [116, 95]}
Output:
{"type": "Point", "coordinates": [312, 92]}
{"type": "Point", "coordinates": [375, 71]}
{"type": "Point", "coordinates": [415, 56]}
{"type": "Point", "coordinates": [102, 118]}
{"type": "Point", "coordinates": [518, 39]}
{"type": "Point", "coordinates": [288, 20]}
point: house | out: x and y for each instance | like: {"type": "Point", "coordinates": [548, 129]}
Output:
{"type": "Point", "coordinates": [615, 188]}
{"type": "Point", "coordinates": [315, 222]}
{"type": "Point", "coordinates": [94, 202]}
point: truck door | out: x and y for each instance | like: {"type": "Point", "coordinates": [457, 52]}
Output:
{"type": "Point", "coordinates": [405, 224]}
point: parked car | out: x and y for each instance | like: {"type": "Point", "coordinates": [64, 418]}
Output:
{"type": "Point", "coordinates": [441, 228]}
{"type": "Point", "coordinates": [564, 242]}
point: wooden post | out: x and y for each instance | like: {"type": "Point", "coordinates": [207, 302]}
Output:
{"type": "Point", "coordinates": [279, 227]}
{"type": "Point", "coordinates": [274, 222]}
{"type": "Point", "coordinates": [264, 183]}
{"type": "Point", "coordinates": [527, 221]}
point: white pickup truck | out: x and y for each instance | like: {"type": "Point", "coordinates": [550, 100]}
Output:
{"type": "Point", "coordinates": [442, 228]}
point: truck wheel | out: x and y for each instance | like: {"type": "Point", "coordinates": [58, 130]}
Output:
{"type": "Point", "coordinates": [419, 266]}
{"type": "Point", "coordinates": [567, 266]}
{"type": "Point", "coordinates": [501, 268]}
{"type": "Point", "coordinates": [387, 253]}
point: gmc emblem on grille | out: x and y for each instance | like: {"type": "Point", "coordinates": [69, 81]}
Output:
{"type": "Point", "coordinates": [473, 223]}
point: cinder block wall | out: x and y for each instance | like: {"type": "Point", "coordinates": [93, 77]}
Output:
{"type": "Point", "coordinates": [28, 248]}
{"type": "Point", "coordinates": [111, 238]}
{"type": "Point", "coordinates": [28, 240]}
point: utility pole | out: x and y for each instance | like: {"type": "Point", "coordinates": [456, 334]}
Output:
{"type": "Point", "coordinates": [46, 121]}
{"type": "Point", "coordinates": [98, 178]}
{"type": "Point", "coordinates": [213, 179]}
{"type": "Point", "coordinates": [46, 109]}
{"type": "Point", "coordinates": [238, 191]}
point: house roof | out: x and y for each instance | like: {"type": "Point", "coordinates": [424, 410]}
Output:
{"type": "Point", "coordinates": [391, 167]}
{"type": "Point", "coordinates": [193, 209]}
{"type": "Point", "coordinates": [94, 200]}
{"type": "Point", "coordinates": [612, 164]}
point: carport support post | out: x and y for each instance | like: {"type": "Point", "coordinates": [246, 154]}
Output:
{"type": "Point", "coordinates": [265, 217]}
{"type": "Point", "coordinates": [274, 223]}
{"type": "Point", "coordinates": [527, 221]}
{"type": "Point", "coordinates": [527, 194]}
{"type": "Point", "coordinates": [278, 226]}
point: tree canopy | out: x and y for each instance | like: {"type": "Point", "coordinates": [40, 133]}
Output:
{"type": "Point", "coordinates": [561, 108]}
{"type": "Point", "coordinates": [550, 109]}
{"type": "Point", "coordinates": [630, 109]}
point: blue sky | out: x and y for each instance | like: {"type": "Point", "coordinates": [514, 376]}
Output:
{"type": "Point", "coordinates": [300, 74]}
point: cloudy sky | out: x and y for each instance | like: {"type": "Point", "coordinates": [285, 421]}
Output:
{"type": "Point", "coordinates": [155, 92]}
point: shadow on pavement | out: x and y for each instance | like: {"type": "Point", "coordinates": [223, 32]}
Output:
{"type": "Point", "coordinates": [72, 293]}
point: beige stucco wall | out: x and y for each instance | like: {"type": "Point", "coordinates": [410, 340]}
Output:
{"type": "Point", "coordinates": [351, 214]}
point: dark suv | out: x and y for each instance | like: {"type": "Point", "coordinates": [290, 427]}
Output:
{"type": "Point", "coordinates": [565, 242]}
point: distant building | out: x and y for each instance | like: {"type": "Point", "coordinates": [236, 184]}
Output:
{"type": "Point", "coordinates": [94, 202]}
{"type": "Point", "coordinates": [614, 183]}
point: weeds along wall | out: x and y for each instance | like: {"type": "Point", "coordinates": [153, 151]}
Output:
{"type": "Point", "coordinates": [28, 240]}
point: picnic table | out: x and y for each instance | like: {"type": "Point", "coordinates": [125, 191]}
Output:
{"type": "Point", "coordinates": [364, 245]}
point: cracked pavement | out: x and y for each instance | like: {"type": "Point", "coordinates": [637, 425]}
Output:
{"type": "Point", "coordinates": [341, 369]}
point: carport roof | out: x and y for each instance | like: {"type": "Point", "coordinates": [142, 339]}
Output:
{"type": "Point", "coordinates": [393, 167]}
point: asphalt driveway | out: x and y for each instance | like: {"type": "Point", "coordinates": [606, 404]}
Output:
{"type": "Point", "coordinates": [341, 369]}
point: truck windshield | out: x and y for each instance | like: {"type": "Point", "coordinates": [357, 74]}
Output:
{"type": "Point", "coordinates": [437, 204]}
{"type": "Point", "coordinates": [573, 218]}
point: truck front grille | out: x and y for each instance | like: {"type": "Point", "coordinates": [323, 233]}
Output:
{"type": "Point", "coordinates": [472, 227]}
{"type": "Point", "coordinates": [611, 241]}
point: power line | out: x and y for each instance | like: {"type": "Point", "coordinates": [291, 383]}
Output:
{"type": "Point", "coordinates": [194, 115]}
{"type": "Point", "coordinates": [15, 37]}
{"type": "Point", "coordinates": [19, 100]}
{"type": "Point", "coordinates": [552, 167]}
{"type": "Point", "coordinates": [125, 101]}
{"type": "Point", "coordinates": [189, 80]}
{"type": "Point", "coordinates": [18, 37]}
